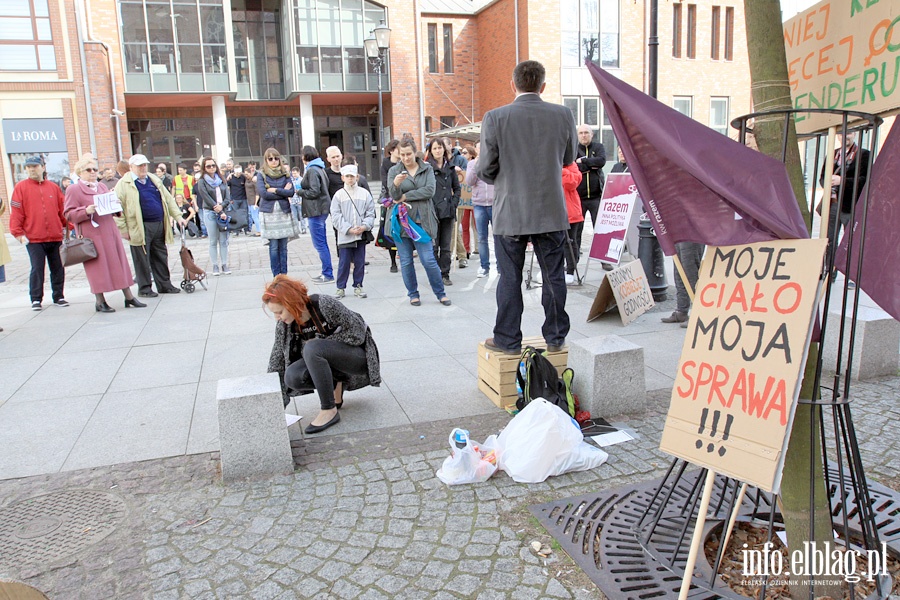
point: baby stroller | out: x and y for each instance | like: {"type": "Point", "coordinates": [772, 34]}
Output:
{"type": "Point", "coordinates": [192, 272]}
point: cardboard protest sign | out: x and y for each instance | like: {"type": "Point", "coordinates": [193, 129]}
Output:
{"type": "Point", "coordinates": [627, 288]}
{"type": "Point", "coordinates": [842, 55]}
{"type": "Point", "coordinates": [632, 292]}
{"type": "Point", "coordinates": [465, 196]}
{"type": "Point", "coordinates": [743, 356]}
{"type": "Point", "coordinates": [616, 205]}
{"type": "Point", "coordinates": [604, 301]}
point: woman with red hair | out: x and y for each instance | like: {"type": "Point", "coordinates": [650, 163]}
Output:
{"type": "Point", "coordinates": [320, 345]}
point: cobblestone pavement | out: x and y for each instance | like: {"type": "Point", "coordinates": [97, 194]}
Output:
{"type": "Point", "coordinates": [363, 516]}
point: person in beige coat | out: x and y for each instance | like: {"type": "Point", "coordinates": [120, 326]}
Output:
{"type": "Point", "coordinates": [147, 210]}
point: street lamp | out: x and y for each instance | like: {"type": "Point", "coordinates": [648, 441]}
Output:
{"type": "Point", "coordinates": [377, 45]}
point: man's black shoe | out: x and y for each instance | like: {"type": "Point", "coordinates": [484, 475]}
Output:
{"type": "Point", "coordinates": [170, 290]}
{"type": "Point", "coordinates": [555, 348]}
{"type": "Point", "coordinates": [150, 294]}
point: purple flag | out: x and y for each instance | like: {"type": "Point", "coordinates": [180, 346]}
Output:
{"type": "Point", "coordinates": [697, 184]}
{"type": "Point", "coordinates": [880, 274]}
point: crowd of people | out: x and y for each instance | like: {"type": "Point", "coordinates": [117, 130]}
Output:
{"type": "Point", "coordinates": [541, 203]}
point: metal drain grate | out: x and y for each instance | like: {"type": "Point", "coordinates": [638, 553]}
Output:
{"type": "Point", "coordinates": [600, 532]}
{"type": "Point", "coordinates": [49, 527]}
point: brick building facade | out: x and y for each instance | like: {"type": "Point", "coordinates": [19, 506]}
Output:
{"type": "Point", "coordinates": [233, 78]}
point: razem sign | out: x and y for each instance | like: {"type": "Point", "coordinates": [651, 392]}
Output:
{"type": "Point", "coordinates": [743, 356]}
{"type": "Point", "coordinates": [34, 135]}
{"type": "Point", "coordinates": [843, 54]}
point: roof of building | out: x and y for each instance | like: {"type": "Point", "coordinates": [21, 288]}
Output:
{"type": "Point", "coordinates": [453, 7]}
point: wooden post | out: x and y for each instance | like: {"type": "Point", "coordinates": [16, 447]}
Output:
{"type": "Point", "coordinates": [697, 538]}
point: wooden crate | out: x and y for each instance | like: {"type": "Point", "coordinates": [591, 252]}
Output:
{"type": "Point", "coordinates": [497, 371]}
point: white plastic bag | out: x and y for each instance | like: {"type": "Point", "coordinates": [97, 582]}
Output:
{"type": "Point", "coordinates": [465, 465]}
{"type": "Point", "coordinates": [542, 441]}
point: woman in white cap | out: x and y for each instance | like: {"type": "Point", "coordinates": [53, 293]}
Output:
{"type": "Point", "coordinates": [353, 216]}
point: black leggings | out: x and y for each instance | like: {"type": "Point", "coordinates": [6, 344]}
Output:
{"type": "Point", "coordinates": [324, 362]}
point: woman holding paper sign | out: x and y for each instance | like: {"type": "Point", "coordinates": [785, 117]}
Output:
{"type": "Point", "coordinates": [110, 270]}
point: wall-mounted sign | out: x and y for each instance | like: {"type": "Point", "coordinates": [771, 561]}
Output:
{"type": "Point", "coordinates": [34, 135]}
{"type": "Point", "coordinates": [843, 55]}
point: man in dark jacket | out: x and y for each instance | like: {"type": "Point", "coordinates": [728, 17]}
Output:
{"type": "Point", "coordinates": [590, 156]}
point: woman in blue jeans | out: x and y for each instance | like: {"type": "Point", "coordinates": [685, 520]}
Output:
{"type": "Point", "coordinates": [214, 196]}
{"type": "Point", "coordinates": [275, 192]}
{"type": "Point", "coordinates": [483, 206]}
{"type": "Point", "coordinates": [412, 183]}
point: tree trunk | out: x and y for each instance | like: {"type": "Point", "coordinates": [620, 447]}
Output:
{"type": "Point", "coordinates": [768, 66]}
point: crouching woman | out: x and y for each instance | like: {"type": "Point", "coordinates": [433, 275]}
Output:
{"type": "Point", "coordinates": [320, 345]}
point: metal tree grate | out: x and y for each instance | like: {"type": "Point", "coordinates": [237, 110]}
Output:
{"type": "Point", "coordinates": [605, 533]}
{"type": "Point", "coordinates": [49, 527]}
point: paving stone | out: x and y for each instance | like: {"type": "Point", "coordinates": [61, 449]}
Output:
{"type": "Point", "coordinates": [463, 584]}
{"type": "Point", "coordinates": [555, 588]}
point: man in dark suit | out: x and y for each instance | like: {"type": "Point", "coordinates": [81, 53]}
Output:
{"type": "Point", "coordinates": [524, 146]}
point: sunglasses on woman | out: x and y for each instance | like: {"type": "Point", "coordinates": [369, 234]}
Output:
{"type": "Point", "coordinates": [272, 158]}
{"type": "Point", "coordinates": [210, 166]}
{"type": "Point", "coordinates": [91, 170]}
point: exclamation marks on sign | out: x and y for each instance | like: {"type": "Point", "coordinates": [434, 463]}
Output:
{"type": "Point", "coordinates": [717, 415]}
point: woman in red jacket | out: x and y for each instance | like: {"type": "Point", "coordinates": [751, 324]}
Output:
{"type": "Point", "coordinates": [571, 179]}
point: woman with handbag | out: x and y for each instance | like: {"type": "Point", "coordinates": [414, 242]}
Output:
{"type": "Point", "coordinates": [275, 190]}
{"type": "Point", "coordinates": [320, 346]}
{"type": "Point", "coordinates": [353, 215]}
{"type": "Point", "coordinates": [109, 271]}
{"type": "Point", "coordinates": [413, 222]}
{"type": "Point", "coordinates": [214, 198]}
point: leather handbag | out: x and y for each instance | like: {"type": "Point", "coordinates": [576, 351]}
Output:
{"type": "Point", "coordinates": [77, 251]}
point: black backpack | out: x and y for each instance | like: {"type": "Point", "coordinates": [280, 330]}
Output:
{"type": "Point", "coordinates": [538, 378]}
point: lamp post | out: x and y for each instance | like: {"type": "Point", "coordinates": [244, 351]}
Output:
{"type": "Point", "coordinates": [377, 46]}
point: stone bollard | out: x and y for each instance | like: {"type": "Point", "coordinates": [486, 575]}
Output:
{"type": "Point", "coordinates": [609, 375]}
{"type": "Point", "coordinates": [875, 349]}
{"type": "Point", "coordinates": [253, 436]}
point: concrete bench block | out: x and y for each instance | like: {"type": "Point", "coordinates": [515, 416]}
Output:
{"type": "Point", "coordinates": [253, 437]}
{"type": "Point", "coordinates": [876, 349]}
{"type": "Point", "coordinates": [609, 375]}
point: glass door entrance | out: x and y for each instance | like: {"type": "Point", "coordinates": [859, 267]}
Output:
{"type": "Point", "coordinates": [171, 149]}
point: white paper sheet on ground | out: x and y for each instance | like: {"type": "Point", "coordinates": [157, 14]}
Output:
{"type": "Point", "coordinates": [610, 439]}
{"type": "Point", "coordinates": [291, 419]}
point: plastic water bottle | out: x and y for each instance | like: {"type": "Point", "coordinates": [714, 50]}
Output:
{"type": "Point", "coordinates": [522, 372]}
{"type": "Point", "coordinates": [461, 438]}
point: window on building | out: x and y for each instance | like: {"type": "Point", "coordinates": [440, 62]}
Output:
{"type": "Point", "coordinates": [177, 47]}
{"type": "Point", "coordinates": [26, 43]}
{"type": "Point", "coordinates": [427, 124]}
{"type": "Point", "coordinates": [729, 33]}
{"type": "Point", "coordinates": [676, 29]}
{"type": "Point", "coordinates": [718, 114]}
{"type": "Point", "coordinates": [257, 50]}
{"type": "Point", "coordinates": [588, 110]}
{"type": "Point", "coordinates": [447, 122]}
{"type": "Point", "coordinates": [715, 32]}
{"type": "Point", "coordinates": [432, 48]}
{"type": "Point", "coordinates": [329, 41]}
{"type": "Point", "coordinates": [573, 105]}
{"type": "Point", "coordinates": [448, 48]}
{"type": "Point", "coordinates": [684, 105]}
{"type": "Point", "coordinates": [590, 24]}
{"type": "Point", "coordinates": [691, 30]}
